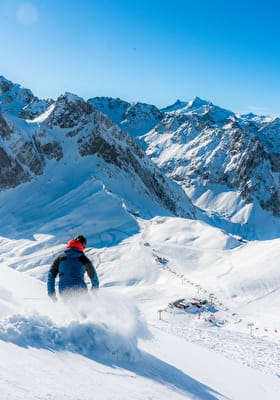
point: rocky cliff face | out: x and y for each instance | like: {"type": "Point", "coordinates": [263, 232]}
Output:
{"type": "Point", "coordinates": [69, 130]}
{"type": "Point", "coordinates": [211, 151]}
{"type": "Point", "coordinates": [19, 101]}
{"type": "Point", "coordinates": [228, 164]}
{"type": "Point", "coordinates": [198, 143]}
{"type": "Point", "coordinates": [13, 97]}
{"type": "Point", "coordinates": [24, 151]}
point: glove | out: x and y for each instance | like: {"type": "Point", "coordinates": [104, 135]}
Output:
{"type": "Point", "coordinates": [95, 284]}
{"type": "Point", "coordinates": [93, 287]}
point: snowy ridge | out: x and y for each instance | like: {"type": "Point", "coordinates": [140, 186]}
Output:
{"type": "Point", "coordinates": [69, 131]}
{"type": "Point", "coordinates": [219, 158]}
{"type": "Point", "coordinates": [20, 101]}
{"type": "Point", "coordinates": [113, 108]}
{"type": "Point", "coordinates": [135, 118]}
{"type": "Point", "coordinates": [176, 106]}
{"type": "Point", "coordinates": [228, 165]}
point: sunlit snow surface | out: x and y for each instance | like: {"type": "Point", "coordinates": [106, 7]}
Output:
{"type": "Point", "coordinates": [113, 343]}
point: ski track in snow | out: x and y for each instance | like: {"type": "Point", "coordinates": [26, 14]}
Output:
{"type": "Point", "coordinates": [252, 351]}
{"type": "Point", "coordinates": [139, 275]}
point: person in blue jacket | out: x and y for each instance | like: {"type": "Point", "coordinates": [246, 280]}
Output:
{"type": "Point", "coordinates": [70, 266]}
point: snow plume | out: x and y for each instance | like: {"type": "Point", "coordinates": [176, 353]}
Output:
{"type": "Point", "coordinates": [104, 328]}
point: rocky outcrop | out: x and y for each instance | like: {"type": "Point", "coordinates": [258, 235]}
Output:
{"type": "Point", "coordinates": [70, 111]}
{"type": "Point", "coordinates": [5, 129]}
{"type": "Point", "coordinates": [35, 108]}
{"type": "Point", "coordinates": [51, 150]}
{"type": "Point", "coordinates": [12, 172]}
{"type": "Point", "coordinates": [123, 157]}
{"type": "Point", "coordinates": [70, 129]}
{"type": "Point", "coordinates": [13, 97]}
{"type": "Point", "coordinates": [204, 144]}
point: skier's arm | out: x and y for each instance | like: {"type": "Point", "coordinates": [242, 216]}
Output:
{"type": "Point", "coordinates": [53, 271]}
{"type": "Point", "coordinates": [90, 271]}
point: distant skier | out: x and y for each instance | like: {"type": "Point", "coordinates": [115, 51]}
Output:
{"type": "Point", "coordinates": [70, 266]}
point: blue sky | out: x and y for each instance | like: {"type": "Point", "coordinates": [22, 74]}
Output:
{"type": "Point", "coordinates": [156, 51]}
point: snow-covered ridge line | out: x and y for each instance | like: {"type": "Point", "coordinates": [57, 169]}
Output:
{"type": "Point", "coordinates": [229, 164]}
{"type": "Point", "coordinates": [70, 130]}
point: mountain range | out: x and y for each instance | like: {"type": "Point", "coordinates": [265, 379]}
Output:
{"type": "Point", "coordinates": [194, 159]}
{"type": "Point", "coordinates": [227, 163]}
{"type": "Point", "coordinates": [36, 134]}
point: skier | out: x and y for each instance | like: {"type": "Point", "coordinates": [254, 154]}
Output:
{"type": "Point", "coordinates": [70, 266]}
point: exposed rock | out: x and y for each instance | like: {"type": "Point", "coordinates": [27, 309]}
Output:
{"type": "Point", "coordinates": [11, 172]}
{"type": "Point", "coordinates": [5, 85]}
{"type": "Point", "coordinates": [70, 110]}
{"type": "Point", "coordinates": [35, 108]}
{"type": "Point", "coordinates": [57, 130]}
{"type": "Point", "coordinates": [128, 158]}
{"type": "Point", "coordinates": [5, 130]}
{"type": "Point", "coordinates": [97, 145]}
{"type": "Point", "coordinates": [214, 146]}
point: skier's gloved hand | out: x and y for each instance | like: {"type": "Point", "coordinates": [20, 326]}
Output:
{"type": "Point", "coordinates": [93, 287]}
{"type": "Point", "coordinates": [95, 283]}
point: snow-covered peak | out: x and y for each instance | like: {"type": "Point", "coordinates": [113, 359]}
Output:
{"type": "Point", "coordinates": [199, 107]}
{"type": "Point", "coordinates": [13, 97]}
{"type": "Point", "coordinates": [19, 101]}
{"type": "Point", "coordinates": [248, 116]}
{"type": "Point", "coordinates": [73, 130]}
{"type": "Point", "coordinates": [5, 85]}
{"type": "Point", "coordinates": [229, 165]}
{"type": "Point", "coordinates": [140, 118]}
{"type": "Point", "coordinates": [258, 119]}
{"type": "Point", "coordinates": [114, 108]}
{"type": "Point", "coordinates": [69, 111]}
{"type": "Point", "coordinates": [174, 107]}
{"type": "Point", "coordinates": [137, 107]}
{"type": "Point", "coordinates": [69, 98]}
{"type": "Point", "coordinates": [136, 118]}
{"type": "Point", "coordinates": [197, 102]}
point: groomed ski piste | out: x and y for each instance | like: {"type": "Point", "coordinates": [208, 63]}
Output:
{"type": "Point", "coordinates": [184, 310]}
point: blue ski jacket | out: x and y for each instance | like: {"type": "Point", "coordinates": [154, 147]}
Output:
{"type": "Point", "coordinates": [70, 266]}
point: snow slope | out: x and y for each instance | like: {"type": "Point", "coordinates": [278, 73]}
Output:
{"type": "Point", "coordinates": [114, 346]}
{"type": "Point", "coordinates": [105, 349]}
